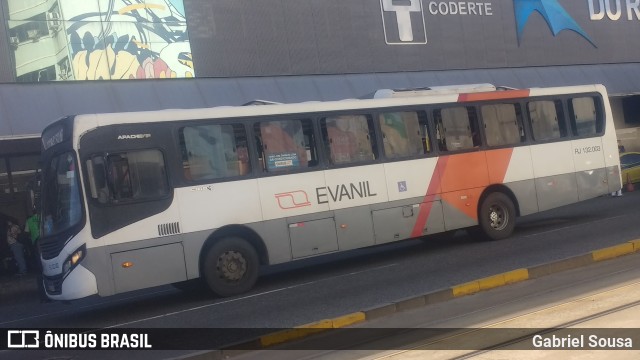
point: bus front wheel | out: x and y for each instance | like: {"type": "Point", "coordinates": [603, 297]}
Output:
{"type": "Point", "coordinates": [497, 216]}
{"type": "Point", "coordinates": [231, 266]}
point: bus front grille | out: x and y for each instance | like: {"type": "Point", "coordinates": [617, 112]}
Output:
{"type": "Point", "coordinates": [53, 284]}
{"type": "Point", "coordinates": [51, 247]}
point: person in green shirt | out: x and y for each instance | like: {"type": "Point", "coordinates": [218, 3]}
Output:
{"type": "Point", "coordinates": [33, 228]}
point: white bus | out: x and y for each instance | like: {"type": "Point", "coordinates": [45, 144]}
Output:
{"type": "Point", "coordinates": [134, 200]}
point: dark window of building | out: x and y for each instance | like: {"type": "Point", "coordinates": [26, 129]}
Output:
{"type": "Point", "coordinates": [631, 110]}
{"type": "Point", "coordinates": [46, 74]}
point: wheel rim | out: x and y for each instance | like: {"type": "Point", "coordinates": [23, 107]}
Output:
{"type": "Point", "coordinates": [498, 217]}
{"type": "Point", "coordinates": [231, 266]}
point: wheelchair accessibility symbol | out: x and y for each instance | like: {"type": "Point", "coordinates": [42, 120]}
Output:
{"type": "Point", "coordinates": [402, 186]}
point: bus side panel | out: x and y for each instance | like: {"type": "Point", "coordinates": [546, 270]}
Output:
{"type": "Point", "coordinates": [519, 179]}
{"type": "Point", "coordinates": [207, 207]}
{"type": "Point", "coordinates": [275, 236]}
{"type": "Point", "coordinates": [292, 210]}
{"type": "Point", "coordinates": [354, 227]}
{"type": "Point", "coordinates": [591, 174]}
{"type": "Point", "coordinates": [147, 267]}
{"type": "Point", "coordinates": [460, 208]}
{"type": "Point", "coordinates": [292, 195]}
{"type": "Point", "coordinates": [411, 178]}
{"type": "Point", "coordinates": [463, 179]}
{"type": "Point", "coordinates": [211, 206]}
{"type": "Point", "coordinates": [525, 193]}
{"type": "Point", "coordinates": [554, 173]}
{"type": "Point", "coordinates": [464, 171]}
{"type": "Point", "coordinates": [610, 148]}
{"type": "Point", "coordinates": [413, 211]}
{"type": "Point", "coordinates": [349, 191]}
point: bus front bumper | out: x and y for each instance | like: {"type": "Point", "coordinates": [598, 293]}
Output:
{"type": "Point", "coordinates": [79, 283]}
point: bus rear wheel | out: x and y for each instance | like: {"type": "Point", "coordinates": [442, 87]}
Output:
{"type": "Point", "coordinates": [231, 266]}
{"type": "Point", "coordinates": [497, 216]}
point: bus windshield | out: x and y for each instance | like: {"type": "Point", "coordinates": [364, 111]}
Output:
{"type": "Point", "coordinates": [61, 207]}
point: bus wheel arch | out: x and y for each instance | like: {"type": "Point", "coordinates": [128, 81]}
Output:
{"type": "Point", "coordinates": [497, 211]}
{"type": "Point", "coordinates": [230, 260]}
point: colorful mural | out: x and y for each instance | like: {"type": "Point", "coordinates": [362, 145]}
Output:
{"type": "Point", "coordinates": [101, 40]}
{"type": "Point", "coordinates": [128, 39]}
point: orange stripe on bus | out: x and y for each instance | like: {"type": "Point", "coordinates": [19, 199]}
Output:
{"type": "Point", "coordinates": [427, 202]}
{"type": "Point", "coordinates": [465, 171]}
{"type": "Point", "coordinates": [494, 95]}
{"type": "Point", "coordinates": [462, 178]}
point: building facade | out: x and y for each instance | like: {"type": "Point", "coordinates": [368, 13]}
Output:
{"type": "Point", "coordinates": [60, 57]}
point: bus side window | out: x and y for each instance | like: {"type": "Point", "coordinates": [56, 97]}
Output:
{"type": "Point", "coordinates": [584, 117]}
{"type": "Point", "coordinates": [547, 121]}
{"type": "Point", "coordinates": [457, 128]}
{"type": "Point", "coordinates": [502, 124]}
{"type": "Point", "coordinates": [130, 176]}
{"type": "Point", "coordinates": [98, 179]}
{"type": "Point", "coordinates": [214, 151]}
{"type": "Point", "coordinates": [404, 134]}
{"type": "Point", "coordinates": [349, 138]}
{"type": "Point", "coordinates": [286, 145]}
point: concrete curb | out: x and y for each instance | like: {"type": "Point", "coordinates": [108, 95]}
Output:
{"type": "Point", "coordinates": [472, 287]}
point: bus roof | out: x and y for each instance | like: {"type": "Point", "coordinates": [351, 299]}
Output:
{"type": "Point", "coordinates": [87, 122]}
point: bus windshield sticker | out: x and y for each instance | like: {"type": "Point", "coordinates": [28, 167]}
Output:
{"type": "Point", "coordinates": [282, 160]}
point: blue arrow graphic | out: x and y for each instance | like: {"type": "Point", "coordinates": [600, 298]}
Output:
{"type": "Point", "coordinates": [553, 13]}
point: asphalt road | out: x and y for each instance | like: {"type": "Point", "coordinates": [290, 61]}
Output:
{"type": "Point", "coordinates": [305, 291]}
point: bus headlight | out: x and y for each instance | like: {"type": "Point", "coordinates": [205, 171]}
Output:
{"type": "Point", "coordinates": [74, 259]}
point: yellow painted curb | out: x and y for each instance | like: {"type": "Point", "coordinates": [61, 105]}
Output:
{"type": "Point", "coordinates": [466, 289]}
{"type": "Point", "coordinates": [516, 276]}
{"type": "Point", "coordinates": [322, 324]}
{"type": "Point", "coordinates": [612, 252]}
{"type": "Point", "coordinates": [310, 329]}
{"type": "Point", "coordinates": [636, 245]}
{"type": "Point", "coordinates": [347, 320]}
{"type": "Point", "coordinates": [279, 337]}
{"type": "Point", "coordinates": [295, 333]}
{"type": "Point", "coordinates": [491, 282]}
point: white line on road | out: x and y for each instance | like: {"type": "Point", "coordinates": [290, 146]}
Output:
{"type": "Point", "coordinates": [248, 296]}
{"type": "Point", "coordinates": [194, 308]}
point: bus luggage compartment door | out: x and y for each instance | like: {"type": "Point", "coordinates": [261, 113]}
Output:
{"type": "Point", "coordinates": [399, 223]}
{"type": "Point", "coordinates": [313, 237]}
{"type": "Point", "coordinates": [147, 267]}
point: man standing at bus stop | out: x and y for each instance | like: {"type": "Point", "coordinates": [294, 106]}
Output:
{"type": "Point", "coordinates": [16, 247]}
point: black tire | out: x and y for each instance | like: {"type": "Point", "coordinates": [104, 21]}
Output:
{"type": "Point", "coordinates": [497, 217]}
{"type": "Point", "coordinates": [230, 266]}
